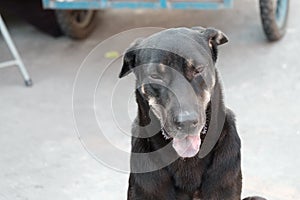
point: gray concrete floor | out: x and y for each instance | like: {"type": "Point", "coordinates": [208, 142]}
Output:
{"type": "Point", "coordinates": [42, 157]}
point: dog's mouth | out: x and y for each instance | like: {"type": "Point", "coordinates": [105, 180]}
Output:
{"type": "Point", "coordinates": [187, 146]}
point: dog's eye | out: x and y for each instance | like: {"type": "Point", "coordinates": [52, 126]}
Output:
{"type": "Point", "coordinates": [155, 76]}
{"type": "Point", "coordinates": [198, 70]}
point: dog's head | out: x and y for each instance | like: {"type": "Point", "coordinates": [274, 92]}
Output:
{"type": "Point", "coordinates": [175, 75]}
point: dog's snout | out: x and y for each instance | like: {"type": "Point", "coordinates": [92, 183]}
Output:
{"type": "Point", "coordinates": [186, 120]}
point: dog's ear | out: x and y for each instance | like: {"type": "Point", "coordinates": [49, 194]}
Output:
{"type": "Point", "coordinates": [128, 63]}
{"type": "Point", "coordinates": [129, 59]}
{"type": "Point", "coordinates": [214, 38]}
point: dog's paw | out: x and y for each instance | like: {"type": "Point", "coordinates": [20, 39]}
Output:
{"type": "Point", "coordinates": [254, 198]}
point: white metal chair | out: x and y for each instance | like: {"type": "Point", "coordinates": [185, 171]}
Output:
{"type": "Point", "coordinates": [17, 59]}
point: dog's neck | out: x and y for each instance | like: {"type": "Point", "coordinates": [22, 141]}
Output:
{"type": "Point", "coordinates": [207, 121]}
{"type": "Point", "coordinates": [143, 109]}
{"type": "Point", "coordinates": [217, 118]}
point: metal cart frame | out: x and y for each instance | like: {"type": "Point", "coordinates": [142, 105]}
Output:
{"type": "Point", "coordinates": [158, 4]}
{"type": "Point", "coordinates": [76, 16]}
{"type": "Point", "coordinates": [17, 59]}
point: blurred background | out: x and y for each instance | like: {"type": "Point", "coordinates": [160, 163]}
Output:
{"type": "Point", "coordinates": [41, 155]}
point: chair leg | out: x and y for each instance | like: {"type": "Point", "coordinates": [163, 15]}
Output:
{"type": "Point", "coordinates": [13, 50]}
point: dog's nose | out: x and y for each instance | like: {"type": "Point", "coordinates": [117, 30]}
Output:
{"type": "Point", "coordinates": [186, 120]}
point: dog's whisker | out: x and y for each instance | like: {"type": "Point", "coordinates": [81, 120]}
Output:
{"type": "Point", "coordinates": [204, 129]}
{"type": "Point", "coordinates": [164, 134]}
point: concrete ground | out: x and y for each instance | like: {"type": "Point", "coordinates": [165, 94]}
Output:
{"type": "Point", "coordinates": [42, 157]}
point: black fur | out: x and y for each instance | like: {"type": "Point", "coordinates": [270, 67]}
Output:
{"type": "Point", "coordinates": [217, 176]}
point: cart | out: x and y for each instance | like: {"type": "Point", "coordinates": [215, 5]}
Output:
{"type": "Point", "coordinates": [77, 17]}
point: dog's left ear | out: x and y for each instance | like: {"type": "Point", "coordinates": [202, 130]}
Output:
{"type": "Point", "coordinates": [129, 59]}
{"type": "Point", "coordinates": [214, 38]}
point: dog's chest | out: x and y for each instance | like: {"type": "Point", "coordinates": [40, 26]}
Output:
{"type": "Point", "coordinates": [187, 174]}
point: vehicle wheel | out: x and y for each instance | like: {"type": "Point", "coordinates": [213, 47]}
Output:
{"type": "Point", "coordinates": [77, 24]}
{"type": "Point", "coordinates": [274, 15]}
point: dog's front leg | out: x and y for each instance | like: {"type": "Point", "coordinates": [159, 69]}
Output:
{"type": "Point", "coordinates": [254, 198]}
{"type": "Point", "coordinates": [155, 185]}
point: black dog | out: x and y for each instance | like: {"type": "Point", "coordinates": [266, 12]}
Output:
{"type": "Point", "coordinates": [178, 88]}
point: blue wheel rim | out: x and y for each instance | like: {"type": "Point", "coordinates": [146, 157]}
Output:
{"type": "Point", "coordinates": [281, 12]}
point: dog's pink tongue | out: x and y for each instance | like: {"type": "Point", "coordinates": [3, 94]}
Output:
{"type": "Point", "coordinates": [188, 146]}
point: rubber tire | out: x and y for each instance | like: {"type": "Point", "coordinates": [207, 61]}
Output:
{"type": "Point", "coordinates": [71, 29]}
{"type": "Point", "coordinates": [268, 18]}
